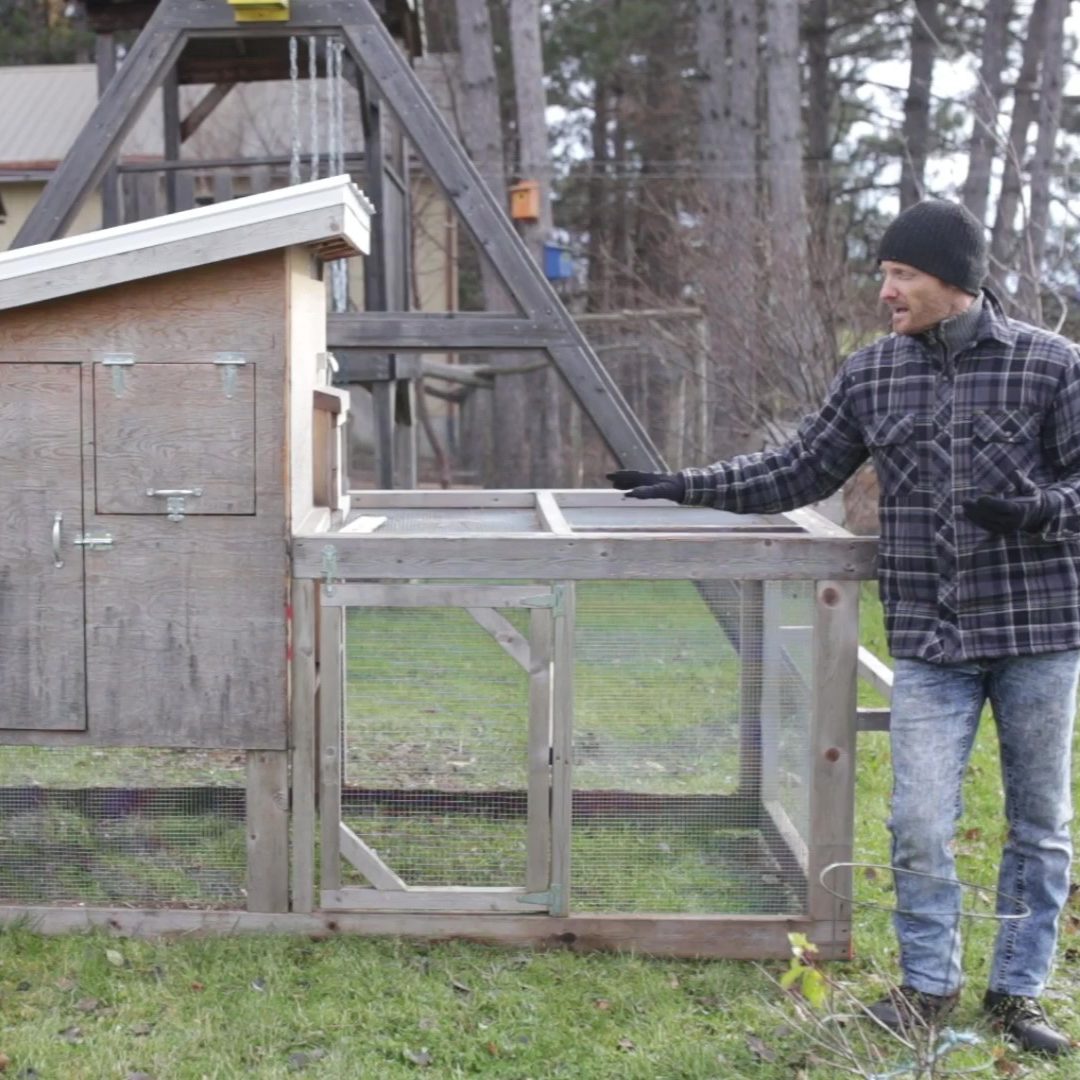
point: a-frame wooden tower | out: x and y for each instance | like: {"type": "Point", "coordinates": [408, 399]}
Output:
{"type": "Point", "coordinates": [541, 323]}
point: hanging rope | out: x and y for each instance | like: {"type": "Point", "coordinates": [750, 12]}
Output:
{"type": "Point", "coordinates": [313, 104]}
{"type": "Point", "coordinates": [335, 50]}
{"type": "Point", "coordinates": [294, 94]}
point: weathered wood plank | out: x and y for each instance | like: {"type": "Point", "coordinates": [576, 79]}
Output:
{"type": "Point", "coordinates": [691, 936]}
{"type": "Point", "coordinates": [751, 674]}
{"type": "Point", "coordinates": [426, 899]}
{"type": "Point", "coordinates": [438, 331]}
{"type": "Point", "coordinates": [303, 742]}
{"type": "Point", "coordinates": [562, 752]}
{"type": "Point", "coordinates": [876, 672]}
{"type": "Point", "coordinates": [832, 747]}
{"type": "Point", "coordinates": [268, 830]}
{"type": "Point", "coordinates": [504, 635]}
{"type": "Point", "coordinates": [588, 556]}
{"type": "Point", "coordinates": [175, 427]}
{"type": "Point", "coordinates": [551, 515]}
{"type": "Point", "coordinates": [367, 861]}
{"type": "Point", "coordinates": [42, 631]}
{"type": "Point", "coordinates": [352, 594]}
{"type": "Point", "coordinates": [331, 715]}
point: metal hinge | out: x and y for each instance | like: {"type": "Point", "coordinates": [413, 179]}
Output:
{"type": "Point", "coordinates": [229, 362]}
{"type": "Point", "coordinates": [555, 600]}
{"type": "Point", "coordinates": [118, 361]}
{"type": "Point", "coordinates": [553, 899]}
{"type": "Point", "coordinates": [330, 568]}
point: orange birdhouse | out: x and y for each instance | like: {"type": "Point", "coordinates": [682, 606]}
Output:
{"type": "Point", "coordinates": [525, 200]}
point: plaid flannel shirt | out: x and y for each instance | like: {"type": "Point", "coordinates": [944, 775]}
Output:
{"type": "Point", "coordinates": [940, 430]}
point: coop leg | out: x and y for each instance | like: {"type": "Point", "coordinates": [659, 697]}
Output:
{"type": "Point", "coordinates": [302, 740]}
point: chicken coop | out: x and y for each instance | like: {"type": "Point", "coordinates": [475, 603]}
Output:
{"type": "Point", "coordinates": [241, 696]}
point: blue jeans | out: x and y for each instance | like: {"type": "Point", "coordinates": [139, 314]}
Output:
{"type": "Point", "coordinates": [935, 714]}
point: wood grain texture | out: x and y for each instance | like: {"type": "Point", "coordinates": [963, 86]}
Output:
{"type": "Point", "coordinates": [175, 426]}
{"type": "Point", "coordinates": [268, 830]}
{"type": "Point", "coordinates": [691, 936]}
{"type": "Point", "coordinates": [42, 637]}
{"type": "Point", "coordinates": [588, 556]}
{"type": "Point", "coordinates": [186, 637]}
{"type": "Point", "coordinates": [302, 739]}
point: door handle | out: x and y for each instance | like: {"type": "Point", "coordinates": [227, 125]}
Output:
{"type": "Point", "coordinates": [58, 523]}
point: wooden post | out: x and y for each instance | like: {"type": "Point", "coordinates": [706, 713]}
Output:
{"type": "Point", "coordinates": [268, 830]}
{"type": "Point", "coordinates": [110, 192]}
{"type": "Point", "coordinates": [832, 749]}
{"type": "Point", "coordinates": [751, 646]}
{"type": "Point", "coordinates": [303, 743]}
{"type": "Point", "coordinates": [562, 756]}
{"type": "Point", "coordinates": [538, 842]}
{"type": "Point", "coordinates": [170, 116]}
{"type": "Point", "coordinates": [331, 718]}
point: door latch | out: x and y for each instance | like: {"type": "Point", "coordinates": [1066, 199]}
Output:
{"type": "Point", "coordinates": [93, 541]}
{"type": "Point", "coordinates": [174, 499]}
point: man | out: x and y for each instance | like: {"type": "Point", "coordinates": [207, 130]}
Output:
{"type": "Point", "coordinates": [973, 423]}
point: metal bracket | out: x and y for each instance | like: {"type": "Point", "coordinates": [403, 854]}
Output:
{"type": "Point", "coordinates": [118, 361]}
{"type": "Point", "coordinates": [174, 499]}
{"type": "Point", "coordinates": [229, 362]}
{"type": "Point", "coordinates": [553, 899]}
{"type": "Point", "coordinates": [555, 600]}
{"type": "Point", "coordinates": [94, 540]}
{"type": "Point", "coordinates": [330, 568]}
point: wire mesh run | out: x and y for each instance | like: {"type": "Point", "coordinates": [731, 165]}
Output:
{"type": "Point", "coordinates": [122, 827]}
{"type": "Point", "coordinates": [682, 728]}
{"type": "Point", "coordinates": [690, 746]}
{"type": "Point", "coordinates": [435, 745]}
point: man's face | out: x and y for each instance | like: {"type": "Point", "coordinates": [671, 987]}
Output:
{"type": "Point", "coordinates": [918, 300]}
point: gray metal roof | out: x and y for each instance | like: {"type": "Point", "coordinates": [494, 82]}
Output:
{"type": "Point", "coordinates": [43, 108]}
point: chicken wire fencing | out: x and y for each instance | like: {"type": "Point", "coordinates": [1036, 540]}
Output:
{"type": "Point", "coordinates": [121, 827]}
{"type": "Point", "coordinates": [691, 733]}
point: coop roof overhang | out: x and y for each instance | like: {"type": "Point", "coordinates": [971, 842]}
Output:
{"type": "Point", "coordinates": [331, 217]}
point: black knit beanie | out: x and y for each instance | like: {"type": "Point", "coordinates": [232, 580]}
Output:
{"type": "Point", "coordinates": [940, 238]}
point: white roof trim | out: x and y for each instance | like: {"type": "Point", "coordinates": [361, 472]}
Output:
{"type": "Point", "coordinates": [330, 215]}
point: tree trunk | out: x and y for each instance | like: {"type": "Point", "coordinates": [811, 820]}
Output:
{"type": "Point", "coordinates": [818, 144]}
{"type": "Point", "coordinates": [1003, 239]}
{"type": "Point", "coordinates": [917, 104]}
{"type": "Point", "coordinates": [791, 313]}
{"type": "Point", "coordinates": [534, 163]}
{"type": "Point", "coordinates": [481, 127]}
{"type": "Point", "coordinates": [599, 250]}
{"type": "Point", "coordinates": [984, 135]}
{"type": "Point", "coordinates": [1043, 159]}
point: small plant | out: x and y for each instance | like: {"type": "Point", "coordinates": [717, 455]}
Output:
{"type": "Point", "coordinates": [842, 1036]}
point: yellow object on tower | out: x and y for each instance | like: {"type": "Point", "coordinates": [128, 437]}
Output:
{"type": "Point", "coordinates": [525, 200]}
{"type": "Point", "coordinates": [260, 10]}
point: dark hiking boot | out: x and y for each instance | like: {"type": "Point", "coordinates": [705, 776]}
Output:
{"type": "Point", "coordinates": [906, 1008]}
{"type": "Point", "coordinates": [1023, 1020]}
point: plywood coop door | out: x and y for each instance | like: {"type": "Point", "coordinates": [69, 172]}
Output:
{"type": "Point", "coordinates": [42, 633]}
{"type": "Point", "coordinates": [451, 788]}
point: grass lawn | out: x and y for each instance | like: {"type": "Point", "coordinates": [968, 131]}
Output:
{"type": "Point", "coordinates": [90, 1007]}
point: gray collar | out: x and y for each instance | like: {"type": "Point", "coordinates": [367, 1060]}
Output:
{"type": "Point", "coordinates": [959, 331]}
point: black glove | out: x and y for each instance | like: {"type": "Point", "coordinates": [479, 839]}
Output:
{"type": "Point", "coordinates": [1028, 511]}
{"type": "Point", "coordinates": [648, 485]}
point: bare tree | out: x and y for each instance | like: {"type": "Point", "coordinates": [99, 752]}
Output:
{"type": "Point", "coordinates": [1003, 239]}
{"type": "Point", "coordinates": [916, 133]}
{"type": "Point", "coordinates": [984, 135]}
{"type": "Point", "coordinates": [1043, 159]}
{"type": "Point", "coordinates": [789, 271]}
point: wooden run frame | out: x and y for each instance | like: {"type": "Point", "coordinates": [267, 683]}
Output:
{"type": "Point", "coordinates": [542, 321]}
{"type": "Point", "coordinates": [289, 822]}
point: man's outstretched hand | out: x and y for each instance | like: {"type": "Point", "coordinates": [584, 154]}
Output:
{"type": "Point", "coordinates": [1027, 511]}
{"type": "Point", "coordinates": [648, 485]}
